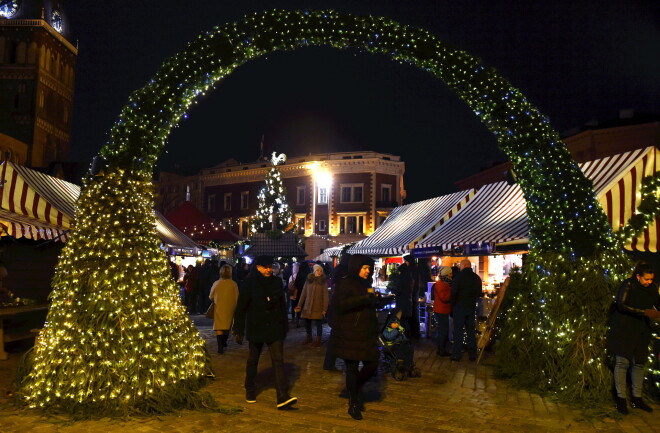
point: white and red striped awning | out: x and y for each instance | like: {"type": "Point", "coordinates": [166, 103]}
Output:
{"type": "Point", "coordinates": [407, 224]}
{"type": "Point", "coordinates": [617, 182]}
{"type": "Point", "coordinates": [497, 213]}
{"type": "Point", "coordinates": [37, 206]}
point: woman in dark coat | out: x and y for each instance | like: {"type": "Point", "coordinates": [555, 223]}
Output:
{"type": "Point", "coordinates": [355, 328]}
{"type": "Point", "coordinates": [637, 303]}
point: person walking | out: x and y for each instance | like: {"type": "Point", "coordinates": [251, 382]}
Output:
{"type": "Point", "coordinates": [338, 274]}
{"type": "Point", "coordinates": [293, 292]}
{"type": "Point", "coordinates": [355, 329]}
{"type": "Point", "coordinates": [313, 304]}
{"type": "Point", "coordinates": [224, 293]}
{"type": "Point", "coordinates": [403, 290]}
{"type": "Point", "coordinates": [465, 290]}
{"type": "Point", "coordinates": [637, 303]}
{"type": "Point", "coordinates": [261, 317]}
{"type": "Point", "coordinates": [442, 309]}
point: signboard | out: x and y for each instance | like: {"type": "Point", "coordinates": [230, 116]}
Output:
{"type": "Point", "coordinates": [427, 252]}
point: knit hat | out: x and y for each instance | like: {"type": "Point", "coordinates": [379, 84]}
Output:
{"type": "Point", "coordinates": [318, 267]}
{"type": "Point", "coordinates": [445, 271]}
{"type": "Point", "coordinates": [409, 258]}
{"type": "Point", "coordinates": [266, 261]}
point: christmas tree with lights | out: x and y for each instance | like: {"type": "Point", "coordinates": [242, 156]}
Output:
{"type": "Point", "coordinates": [117, 340]}
{"type": "Point", "coordinates": [274, 215]}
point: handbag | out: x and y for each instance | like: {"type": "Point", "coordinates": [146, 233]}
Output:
{"type": "Point", "coordinates": [210, 311]}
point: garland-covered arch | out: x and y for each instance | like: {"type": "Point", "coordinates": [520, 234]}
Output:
{"type": "Point", "coordinates": [118, 340]}
{"type": "Point", "coordinates": [562, 209]}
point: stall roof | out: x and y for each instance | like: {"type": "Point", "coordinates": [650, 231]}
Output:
{"type": "Point", "coordinates": [38, 206]}
{"type": "Point", "coordinates": [284, 246]}
{"type": "Point", "coordinates": [190, 220]}
{"type": "Point", "coordinates": [407, 224]}
{"type": "Point", "coordinates": [497, 213]}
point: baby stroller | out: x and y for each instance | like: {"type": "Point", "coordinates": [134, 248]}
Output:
{"type": "Point", "coordinates": [397, 350]}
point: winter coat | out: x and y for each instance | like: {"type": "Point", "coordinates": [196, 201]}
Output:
{"type": "Point", "coordinates": [465, 290]}
{"type": "Point", "coordinates": [355, 324]}
{"type": "Point", "coordinates": [403, 290]}
{"type": "Point", "coordinates": [442, 296]}
{"type": "Point", "coordinates": [225, 295]}
{"type": "Point", "coordinates": [261, 310]}
{"type": "Point", "coordinates": [314, 297]}
{"type": "Point", "coordinates": [630, 331]}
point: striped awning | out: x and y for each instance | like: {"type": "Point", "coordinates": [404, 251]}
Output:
{"type": "Point", "coordinates": [37, 206]}
{"type": "Point", "coordinates": [497, 213]}
{"type": "Point", "coordinates": [617, 183]}
{"type": "Point", "coordinates": [407, 224]}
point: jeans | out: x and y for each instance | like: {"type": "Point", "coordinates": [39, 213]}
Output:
{"type": "Point", "coordinates": [277, 360]}
{"type": "Point", "coordinates": [319, 327]}
{"type": "Point", "coordinates": [442, 323]}
{"type": "Point", "coordinates": [621, 367]}
{"type": "Point", "coordinates": [464, 318]}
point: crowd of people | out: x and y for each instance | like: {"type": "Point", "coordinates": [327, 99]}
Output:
{"type": "Point", "coordinates": [254, 303]}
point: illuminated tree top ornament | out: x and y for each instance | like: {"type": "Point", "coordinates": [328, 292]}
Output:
{"type": "Point", "coordinates": [563, 213]}
{"type": "Point", "coordinates": [277, 159]}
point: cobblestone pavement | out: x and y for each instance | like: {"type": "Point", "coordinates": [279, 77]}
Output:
{"type": "Point", "coordinates": [449, 397]}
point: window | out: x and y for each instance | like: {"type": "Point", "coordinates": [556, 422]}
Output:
{"type": "Point", "coordinates": [227, 201]}
{"type": "Point", "coordinates": [226, 223]}
{"type": "Point", "coordinates": [351, 193]}
{"type": "Point", "coordinates": [245, 227]}
{"type": "Point", "coordinates": [245, 199]}
{"type": "Point", "coordinates": [351, 224]}
{"type": "Point", "coordinates": [300, 195]}
{"type": "Point", "coordinates": [323, 195]}
{"type": "Point", "coordinates": [386, 193]}
{"type": "Point", "coordinates": [210, 203]}
{"type": "Point", "coordinates": [300, 223]}
{"type": "Point", "coordinates": [323, 226]}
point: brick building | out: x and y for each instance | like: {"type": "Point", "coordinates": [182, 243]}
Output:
{"type": "Point", "coordinates": [335, 197]}
{"type": "Point", "coordinates": [37, 72]}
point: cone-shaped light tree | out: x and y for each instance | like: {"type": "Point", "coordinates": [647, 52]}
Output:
{"type": "Point", "coordinates": [117, 339]}
{"type": "Point", "coordinates": [273, 212]}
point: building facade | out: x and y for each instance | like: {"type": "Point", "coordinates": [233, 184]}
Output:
{"type": "Point", "coordinates": [37, 75]}
{"type": "Point", "coordinates": [335, 197]}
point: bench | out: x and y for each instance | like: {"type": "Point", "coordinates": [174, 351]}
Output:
{"type": "Point", "coordinates": [9, 335]}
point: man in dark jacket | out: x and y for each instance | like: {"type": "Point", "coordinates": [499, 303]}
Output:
{"type": "Point", "coordinates": [465, 290]}
{"type": "Point", "coordinates": [262, 318]}
{"type": "Point", "coordinates": [403, 290]}
{"type": "Point", "coordinates": [630, 334]}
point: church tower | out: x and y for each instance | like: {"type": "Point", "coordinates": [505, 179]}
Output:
{"type": "Point", "coordinates": [37, 61]}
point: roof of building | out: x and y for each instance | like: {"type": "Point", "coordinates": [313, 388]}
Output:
{"type": "Point", "coordinates": [284, 246]}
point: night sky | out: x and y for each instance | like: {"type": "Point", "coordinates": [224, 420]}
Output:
{"type": "Point", "coordinates": [575, 60]}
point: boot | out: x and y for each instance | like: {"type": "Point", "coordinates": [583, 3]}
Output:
{"type": "Point", "coordinates": [221, 348]}
{"type": "Point", "coordinates": [317, 342]}
{"type": "Point", "coordinates": [225, 337]}
{"type": "Point", "coordinates": [308, 339]}
{"type": "Point", "coordinates": [622, 405]}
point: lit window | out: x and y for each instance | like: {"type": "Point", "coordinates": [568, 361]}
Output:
{"type": "Point", "coordinates": [323, 195]}
{"type": "Point", "coordinates": [322, 226]}
{"type": "Point", "coordinates": [300, 223]}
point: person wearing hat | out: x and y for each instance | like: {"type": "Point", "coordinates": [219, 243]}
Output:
{"type": "Point", "coordinates": [442, 308]}
{"type": "Point", "coordinates": [261, 318]}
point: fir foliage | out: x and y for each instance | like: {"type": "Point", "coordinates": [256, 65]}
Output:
{"type": "Point", "coordinates": [272, 204]}
{"type": "Point", "coordinates": [117, 340]}
{"type": "Point", "coordinates": [556, 320]}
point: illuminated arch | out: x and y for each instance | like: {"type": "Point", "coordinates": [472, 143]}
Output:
{"type": "Point", "coordinates": [562, 211]}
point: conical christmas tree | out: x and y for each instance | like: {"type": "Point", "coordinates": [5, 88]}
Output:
{"type": "Point", "coordinates": [273, 212]}
{"type": "Point", "coordinates": [117, 339]}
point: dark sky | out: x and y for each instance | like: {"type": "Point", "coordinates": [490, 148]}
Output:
{"type": "Point", "coordinates": [575, 60]}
